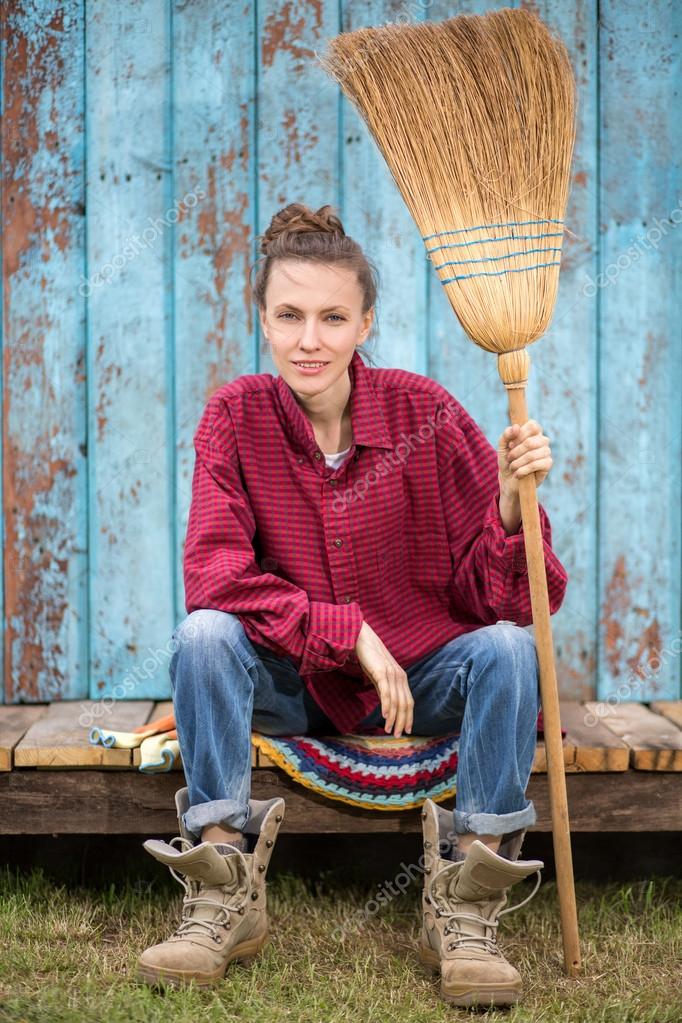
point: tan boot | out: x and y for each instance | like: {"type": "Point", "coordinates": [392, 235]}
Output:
{"type": "Point", "coordinates": [461, 904]}
{"type": "Point", "coordinates": [224, 914]}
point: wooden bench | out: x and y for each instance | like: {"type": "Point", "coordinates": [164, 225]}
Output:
{"type": "Point", "coordinates": [623, 773]}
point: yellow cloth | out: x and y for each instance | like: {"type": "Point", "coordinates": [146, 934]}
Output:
{"type": "Point", "coordinates": [158, 751]}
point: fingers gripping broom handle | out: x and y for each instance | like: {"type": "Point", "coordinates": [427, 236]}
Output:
{"type": "Point", "coordinates": [530, 514]}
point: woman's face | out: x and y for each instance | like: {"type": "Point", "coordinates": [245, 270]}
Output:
{"type": "Point", "coordinates": [313, 313]}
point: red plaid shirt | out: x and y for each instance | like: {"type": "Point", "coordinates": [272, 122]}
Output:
{"type": "Point", "coordinates": [405, 533]}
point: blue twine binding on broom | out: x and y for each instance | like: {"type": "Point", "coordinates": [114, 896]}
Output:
{"type": "Point", "coordinates": [480, 227]}
{"type": "Point", "coordinates": [494, 259]}
{"type": "Point", "coordinates": [502, 238]}
{"type": "Point", "coordinates": [499, 273]}
{"type": "Point", "coordinates": [486, 259]}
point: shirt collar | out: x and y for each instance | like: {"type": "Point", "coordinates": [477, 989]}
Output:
{"type": "Point", "coordinates": [366, 413]}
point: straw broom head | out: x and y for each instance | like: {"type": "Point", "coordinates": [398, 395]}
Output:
{"type": "Point", "coordinates": [475, 117]}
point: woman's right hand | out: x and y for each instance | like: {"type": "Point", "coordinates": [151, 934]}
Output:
{"type": "Point", "coordinates": [389, 679]}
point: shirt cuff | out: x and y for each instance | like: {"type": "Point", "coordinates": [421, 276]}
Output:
{"type": "Point", "coordinates": [333, 631]}
{"type": "Point", "coordinates": [510, 547]}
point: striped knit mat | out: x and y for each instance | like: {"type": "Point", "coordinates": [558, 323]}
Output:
{"type": "Point", "coordinates": [375, 771]}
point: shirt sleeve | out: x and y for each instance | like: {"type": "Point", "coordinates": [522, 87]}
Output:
{"type": "Point", "coordinates": [490, 573]}
{"type": "Point", "coordinates": [220, 569]}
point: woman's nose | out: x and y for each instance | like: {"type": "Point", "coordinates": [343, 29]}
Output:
{"type": "Point", "coordinates": [309, 337]}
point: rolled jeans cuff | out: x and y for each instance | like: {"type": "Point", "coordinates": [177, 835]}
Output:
{"type": "Point", "coordinates": [494, 823]}
{"type": "Point", "coordinates": [226, 813]}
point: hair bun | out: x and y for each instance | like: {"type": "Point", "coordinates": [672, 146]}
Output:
{"type": "Point", "coordinates": [299, 219]}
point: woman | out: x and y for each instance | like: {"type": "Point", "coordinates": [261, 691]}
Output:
{"type": "Point", "coordinates": [353, 562]}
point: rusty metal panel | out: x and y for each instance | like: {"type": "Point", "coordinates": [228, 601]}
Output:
{"type": "Point", "coordinates": [375, 214]}
{"type": "Point", "coordinates": [202, 121]}
{"type": "Point", "coordinates": [562, 387]}
{"type": "Point", "coordinates": [214, 133]}
{"type": "Point", "coordinates": [132, 211]}
{"type": "Point", "coordinates": [44, 434]}
{"type": "Point", "coordinates": [636, 296]}
{"type": "Point", "coordinates": [298, 156]}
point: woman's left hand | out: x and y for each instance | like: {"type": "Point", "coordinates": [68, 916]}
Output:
{"type": "Point", "coordinates": [522, 450]}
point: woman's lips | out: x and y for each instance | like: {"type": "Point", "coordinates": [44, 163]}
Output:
{"type": "Point", "coordinates": [310, 370]}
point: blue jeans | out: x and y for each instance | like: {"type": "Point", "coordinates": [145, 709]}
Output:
{"type": "Point", "coordinates": [483, 684]}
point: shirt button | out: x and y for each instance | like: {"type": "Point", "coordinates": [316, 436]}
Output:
{"type": "Point", "coordinates": [338, 542]}
{"type": "Point", "coordinates": [318, 456]}
{"type": "Point", "coordinates": [332, 483]}
{"type": "Point", "coordinates": [348, 599]}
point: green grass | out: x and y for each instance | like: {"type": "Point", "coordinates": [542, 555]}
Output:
{"type": "Point", "coordinates": [68, 954]}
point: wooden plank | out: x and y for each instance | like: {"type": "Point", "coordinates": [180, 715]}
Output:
{"type": "Point", "coordinates": [655, 743]}
{"type": "Point", "coordinates": [596, 747]}
{"type": "Point", "coordinates": [560, 385]}
{"type": "Point", "coordinates": [635, 297]}
{"type": "Point", "coordinates": [263, 760]}
{"type": "Point", "coordinates": [131, 212]}
{"type": "Point", "coordinates": [43, 377]}
{"type": "Point", "coordinates": [375, 214]}
{"type": "Point", "coordinates": [215, 137]}
{"type": "Point", "coordinates": [540, 760]}
{"type": "Point", "coordinates": [301, 102]}
{"type": "Point", "coordinates": [15, 720]}
{"type": "Point", "coordinates": [671, 709]}
{"type": "Point", "coordinates": [587, 746]}
{"type": "Point", "coordinates": [596, 802]}
{"type": "Point", "coordinates": [161, 710]}
{"type": "Point", "coordinates": [59, 739]}
{"type": "Point", "coordinates": [127, 802]}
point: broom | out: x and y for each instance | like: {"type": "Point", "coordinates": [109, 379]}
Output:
{"type": "Point", "coordinates": [475, 118]}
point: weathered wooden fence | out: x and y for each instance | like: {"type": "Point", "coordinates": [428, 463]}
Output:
{"type": "Point", "coordinates": [144, 145]}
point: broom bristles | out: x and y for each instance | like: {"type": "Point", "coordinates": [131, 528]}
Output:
{"type": "Point", "coordinates": [475, 117]}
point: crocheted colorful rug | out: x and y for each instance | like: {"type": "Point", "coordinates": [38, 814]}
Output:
{"type": "Point", "coordinates": [377, 771]}
{"type": "Point", "coordinates": [369, 770]}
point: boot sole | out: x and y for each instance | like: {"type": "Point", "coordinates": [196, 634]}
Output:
{"type": "Point", "coordinates": [466, 995]}
{"type": "Point", "coordinates": [245, 953]}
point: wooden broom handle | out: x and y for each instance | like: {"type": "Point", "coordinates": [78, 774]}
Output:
{"type": "Point", "coordinates": [535, 559]}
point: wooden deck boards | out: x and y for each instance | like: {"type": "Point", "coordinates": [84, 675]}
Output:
{"type": "Point", "coordinates": [34, 802]}
{"type": "Point", "coordinates": [654, 740]}
{"type": "Point", "coordinates": [623, 764]}
{"type": "Point", "coordinates": [59, 738]}
{"type": "Point", "coordinates": [600, 736]}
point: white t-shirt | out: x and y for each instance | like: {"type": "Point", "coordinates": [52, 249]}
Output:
{"type": "Point", "coordinates": [334, 461]}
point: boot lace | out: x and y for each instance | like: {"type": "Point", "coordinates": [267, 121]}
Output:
{"type": "Point", "coordinates": [190, 924]}
{"type": "Point", "coordinates": [487, 941]}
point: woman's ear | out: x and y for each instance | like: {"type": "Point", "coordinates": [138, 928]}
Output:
{"type": "Point", "coordinates": [367, 323]}
{"type": "Point", "coordinates": [261, 315]}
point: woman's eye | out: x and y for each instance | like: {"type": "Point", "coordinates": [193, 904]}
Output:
{"type": "Point", "coordinates": [336, 315]}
